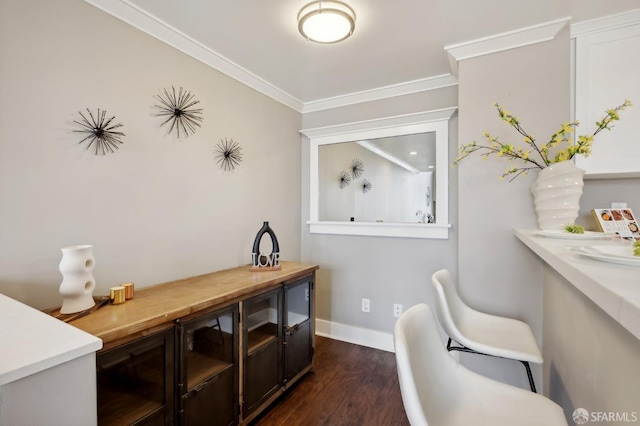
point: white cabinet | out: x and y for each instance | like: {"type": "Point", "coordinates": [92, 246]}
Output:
{"type": "Point", "coordinates": [47, 369]}
{"type": "Point", "coordinates": [607, 72]}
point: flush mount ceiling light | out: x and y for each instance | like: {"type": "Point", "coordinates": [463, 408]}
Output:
{"type": "Point", "coordinates": [326, 21]}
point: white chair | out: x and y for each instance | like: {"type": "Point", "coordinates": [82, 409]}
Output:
{"type": "Point", "coordinates": [482, 333]}
{"type": "Point", "coordinates": [438, 391]}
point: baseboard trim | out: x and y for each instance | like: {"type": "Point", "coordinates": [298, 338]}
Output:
{"type": "Point", "coordinates": [356, 335]}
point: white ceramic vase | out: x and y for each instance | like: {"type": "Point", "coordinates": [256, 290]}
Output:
{"type": "Point", "coordinates": [77, 284]}
{"type": "Point", "coordinates": [556, 195]}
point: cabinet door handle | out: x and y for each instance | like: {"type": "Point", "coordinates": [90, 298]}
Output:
{"type": "Point", "coordinates": [204, 384]}
{"type": "Point", "coordinates": [291, 330]}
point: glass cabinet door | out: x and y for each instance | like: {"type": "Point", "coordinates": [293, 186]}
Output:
{"type": "Point", "coordinates": [208, 370]}
{"type": "Point", "coordinates": [262, 349]}
{"type": "Point", "coordinates": [298, 336]}
{"type": "Point", "coordinates": [135, 382]}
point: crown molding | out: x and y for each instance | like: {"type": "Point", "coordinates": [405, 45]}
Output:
{"type": "Point", "coordinates": [160, 30]}
{"type": "Point", "coordinates": [504, 41]}
{"type": "Point", "coordinates": [606, 23]}
{"type": "Point", "coordinates": [138, 18]}
{"type": "Point", "coordinates": [380, 123]}
{"type": "Point", "coordinates": [384, 92]}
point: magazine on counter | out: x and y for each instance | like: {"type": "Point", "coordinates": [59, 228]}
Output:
{"type": "Point", "coordinates": [621, 221]}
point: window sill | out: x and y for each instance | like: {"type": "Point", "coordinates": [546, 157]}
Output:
{"type": "Point", "coordinates": [381, 229]}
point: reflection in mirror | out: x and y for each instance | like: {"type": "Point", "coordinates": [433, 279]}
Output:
{"type": "Point", "coordinates": [393, 195]}
{"type": "Point", "coordinates": [393, 181]}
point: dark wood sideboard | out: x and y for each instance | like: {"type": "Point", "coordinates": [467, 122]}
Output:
{"type": "Point", "coordinates": [214, 349]}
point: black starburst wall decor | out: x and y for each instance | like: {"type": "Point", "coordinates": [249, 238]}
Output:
{"type": "Point", "coordinates": [357, 168]}
{"type": "Point", "coordinates": [366, 186]}
{"type": "Point", "coordinates": [229, 154]}
{"type": "Point", "coordinates": [99, 131]}
{"type": "Point", "coordinates": [178, 108]}
{"type": "Point", "coordinates": [345, 179]}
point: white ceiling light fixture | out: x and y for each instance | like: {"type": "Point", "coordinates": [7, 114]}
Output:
{"type": "Point", "coordinates": [326, 21]}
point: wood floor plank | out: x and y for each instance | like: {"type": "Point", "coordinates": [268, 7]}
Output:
{"type": "Point", "coordinates": [350, 385]}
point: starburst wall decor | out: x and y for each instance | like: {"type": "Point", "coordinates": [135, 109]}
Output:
{"type": "Point", "coordinates": [345, 179]}
{"type": "Point", "coordinates": [366, 186]}
{"type": "Point", "coordinates": [357, 168]}
{"type": "Point", "coordinates": [229, 154]}
{"type": "Point", "coordinates": [99, 131]}
{"type": "Point", "coordinates": [179, 110]}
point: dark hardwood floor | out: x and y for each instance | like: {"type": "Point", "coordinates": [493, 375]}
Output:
{"type": "Point", "coordinates": [350, 385]}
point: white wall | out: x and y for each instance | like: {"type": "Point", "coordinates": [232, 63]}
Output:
{"type": "Point", "coordinates": [383, 269]}
{"type": "Point", "coordinates": [159, 208]}
{"type": "Point", "coordinates": [497, 273]}
{"type": "Point", "coordinates": [600, 193]}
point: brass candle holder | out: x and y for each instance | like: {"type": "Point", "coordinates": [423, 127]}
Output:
{"type": "Point", "coordinates": [117, 295]}
{"type": "Point", "coordinates": [128, 290]}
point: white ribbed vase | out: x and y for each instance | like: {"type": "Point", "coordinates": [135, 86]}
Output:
{"type": "Point", "coordinates": [77, 284]}
{"type": "Point", "coordinates": [556, 195]}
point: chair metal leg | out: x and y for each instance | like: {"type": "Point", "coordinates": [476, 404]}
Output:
{"type": "Point", "coordinates": [530, 376]}
{"type": "Point", "coordinates": [471, 351]}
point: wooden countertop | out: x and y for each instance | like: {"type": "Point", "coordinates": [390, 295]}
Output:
{"type": "Point", "coordinates": [163, 303]}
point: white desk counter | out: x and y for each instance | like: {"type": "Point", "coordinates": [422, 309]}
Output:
{"type": "Point", "coordinates": [612, 287]}
{"type": "Point", "coordinates": [47, 369]}
{"type": "Point", "coordinates": [33, 341]}
{"type": "Point", "coordinates": [590, 329]}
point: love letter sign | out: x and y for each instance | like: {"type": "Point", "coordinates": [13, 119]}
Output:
{"type": "Point", "coordinates": [261, 261]}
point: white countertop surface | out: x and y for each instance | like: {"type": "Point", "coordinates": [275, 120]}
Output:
{"type": "Point", "coordinates": [32, 341]}
{"type": "Point", "coordinates": [614, 288]}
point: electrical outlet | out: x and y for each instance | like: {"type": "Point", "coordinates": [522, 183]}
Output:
{"type": "Point", "coordinates": [365, 305]}
{"type": "Point", "coordinates": [618, 206]}
{"type": "Point", "coordinates": [397, 310]}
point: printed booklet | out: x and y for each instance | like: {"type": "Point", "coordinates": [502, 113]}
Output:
{"type": "Point", "coordinates": [621, 221]}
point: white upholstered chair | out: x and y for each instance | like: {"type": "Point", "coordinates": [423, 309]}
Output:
{"type": "Point", "coordinates": [481, 333]}
{"type": "Point", "coordinates": [438, 391]}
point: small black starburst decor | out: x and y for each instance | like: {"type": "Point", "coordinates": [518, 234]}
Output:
{"type": "Point", "coordinates": [357, 168]}
{"type": "Point", "coordinates": [229, 154]}
{"type": "Point", "coordinates": [178, 108]}
{"type": "Point", "coordinates": [345, 179]}
{"type": "Point", "coordinates": [366, 186]}
{"type": "Point", "coordinates": [99, 131]}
